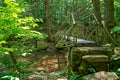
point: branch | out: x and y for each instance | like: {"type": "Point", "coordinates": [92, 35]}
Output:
{"type": "Point", "coordinates": [73, 19]}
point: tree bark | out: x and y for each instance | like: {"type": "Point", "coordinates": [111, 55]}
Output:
{"type": "Point", "coordinates": [108, 17]}
{"type": "Point", "coordinates": [96, 5]}
{"type": "Point", "coordinates": [109, 14]}
{"type": "Point", "coordinates": [47, 17]}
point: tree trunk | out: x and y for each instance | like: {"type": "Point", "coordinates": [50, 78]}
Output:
{"type": "Point", "coordinates": [108, 17]}
{"type": "Point", "coordinates": [13, 59]}
{"type": "Point", "coordinates": [69, 73]}
{"type": "Point", "coordinates": [96, 5]}
{"type": "Point", "coordinates": [47, 17]}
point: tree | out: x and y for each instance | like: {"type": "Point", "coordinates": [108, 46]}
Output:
{"type": "Point", "coordinates": [15, 30]}
{"type": "Point", "coordinates": [108, 17]}
{"type": "Point", "coordinates": [96, 5]}
{"type": "Point", "coordinates": [47, 18]}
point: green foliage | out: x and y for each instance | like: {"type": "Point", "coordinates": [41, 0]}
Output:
{"type": "Point", "coordinates": [9, 78]}
{"type": "Point", "coordinates": [117, 71]}
{"type": "Point", "coordinates": [62, 73]}
{"type": "Point", "coordinates": [117, 3]}
{"type": "Point", "coordinates": [13, 24]}
{"type": "Point", "coordinates": [15, 31]}
{"type": "Point", "coordinates": [117, 11]}
{"type": "Point", "coordinates": [75, 77]}
{"type": "Point", "coordinates": [35, 8]}
{"type": "Point", "coordinates": [116, 29]}
{"type": "Point", "coordinates": [91, 70]}
{"type": "Point", "coordinates": [39, 20]}
{"type": "Point", "coordinates": [23, 65]}
{"type": "Point", "coordinates": [8, 75]}
{"type": "Point", "coordinates": [6, 63]}
{"type": "Point", "coordinates": [14, 28]}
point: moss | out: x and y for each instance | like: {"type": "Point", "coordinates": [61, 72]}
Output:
{"type": "Point", "coordinates": [41, 45]}
{"type": "Point", "coordinates": [78, 52]}
{"type": "Point", "coordinates": [82, 68]}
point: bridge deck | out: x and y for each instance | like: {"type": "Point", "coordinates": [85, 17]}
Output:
{"type": "Point", "coordinates": [79, 40]}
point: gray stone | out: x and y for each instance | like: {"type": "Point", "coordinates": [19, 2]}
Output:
{"type": "Point", "coordinates": [102, 75]}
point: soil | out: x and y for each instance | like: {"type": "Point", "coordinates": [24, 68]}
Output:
{"type": "Point", "coordinates": [49, 61]}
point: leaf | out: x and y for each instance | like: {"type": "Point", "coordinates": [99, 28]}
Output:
{"type": "Point", "coordinates": [116, 29]}
{"type": "Point", "coordinates": [3, 42]}
{"type": "Point", "coordinates": [118, 69]}
{"type": "Point", "coordinates": [10, 77]}
{"type": "Point", "coordinates": [15, 27]}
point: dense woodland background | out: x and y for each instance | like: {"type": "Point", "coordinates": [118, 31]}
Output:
{"type": "Point", "coordinates": [86, 15]}
{"type": "Point", "coordinates": [26, 25]}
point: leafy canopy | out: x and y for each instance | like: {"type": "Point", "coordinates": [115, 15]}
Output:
{"type": "Point", "coordinates": [14, 26]}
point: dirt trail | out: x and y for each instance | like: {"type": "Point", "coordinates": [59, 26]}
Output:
{"type": "Point", "coordinates": [47, 61]}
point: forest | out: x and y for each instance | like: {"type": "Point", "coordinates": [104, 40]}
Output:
{"type": "Point", "coordinates": [59, 39]}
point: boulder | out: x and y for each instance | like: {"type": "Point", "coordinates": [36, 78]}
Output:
{"type": "Point", "coordinates": [42, 45]}
{"type": "Point", "coordinates": [102, 75]}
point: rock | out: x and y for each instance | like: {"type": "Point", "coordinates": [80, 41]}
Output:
{"type": "Point", "coordinates": [81, 51]}
{"type": "Point", "coordinates": [62, 78]}
{"type": "Point", "coordinates": [61, 44]}
{"type": "Point", "coordinates": [42, 45]}
{"type": "Point", "coordinates": [78, 53]}
{"type": "Point", "coordinates": [95, 58]}
{"type": "Point", "coordinates": [102, 75]}
{"type": "Point", "coordinates": [34, 77]}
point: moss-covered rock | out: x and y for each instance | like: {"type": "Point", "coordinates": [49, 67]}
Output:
{"type": "Point", "coordinates": [62, 44]}
{"type": "Point", "coordinates": [42, 45]}
{"type": "Point", "coordinates": [95, 56]}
